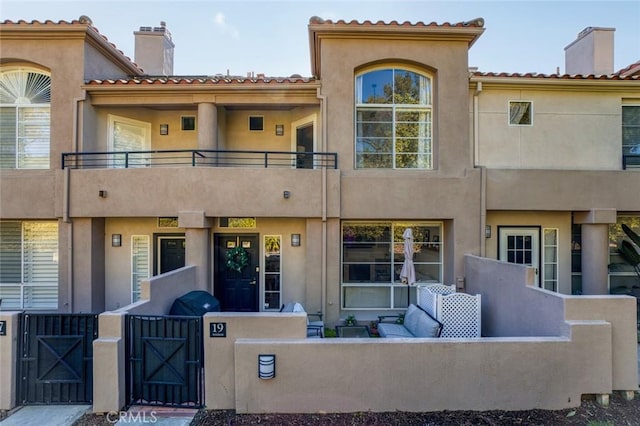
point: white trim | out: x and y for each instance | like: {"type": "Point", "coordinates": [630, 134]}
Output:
{"type": "Point", "coordinates": [534, 232]}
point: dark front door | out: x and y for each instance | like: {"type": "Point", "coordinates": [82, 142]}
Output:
{"type": "Point", "coordinates": [237, 272]}
{"type": "Point", "coordinates": [171, 253]}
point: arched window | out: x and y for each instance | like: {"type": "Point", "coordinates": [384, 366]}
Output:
{"type": "Point", "coordinates": [25, 118]}
{"type": "Point", "coordinates": [393, 120]}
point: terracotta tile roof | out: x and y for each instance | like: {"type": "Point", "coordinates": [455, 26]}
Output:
{"type": "Point", "coordinates": [315, 20]}
{"type": "Point", "coordinates": [204, 80]}
{"type": "Point", "coordinates": [615, 76]}
{"type": "Point", "coordinates": [82, 21]}
{"type": "Point", "coordinates": [633, 69]}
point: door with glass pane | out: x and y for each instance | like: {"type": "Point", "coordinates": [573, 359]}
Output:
{"type": "Point", "coordinates": [521, 246]}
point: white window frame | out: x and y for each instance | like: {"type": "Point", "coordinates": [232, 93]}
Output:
{"type": "Point", "coordinates": [530, 112]}
{"type": "Point", "coordinates": [116, 161]}
{"type": "Point", "coordinates": [24, 96]}
{"type": "Point", "coordinates": [396, 246]}
{"type": "Point", "coordinates": [426, 107]}
{"type": "Point", "coordinates": [141, 242]}
{"type": "Point", "coordinates": [25, 287]}
{"type": "Point", "coordinates": [550, 261]}
{"type": "Point", "coordinates": [533, 231]}
{"type": "Point", "coordinates": [265, 273]}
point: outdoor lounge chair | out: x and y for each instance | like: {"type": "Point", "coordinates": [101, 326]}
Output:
{"type": "Point", "coordinates": [314, 328]}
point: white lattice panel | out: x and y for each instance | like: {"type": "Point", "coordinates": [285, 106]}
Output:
{"type": "Point", "coordinates": [458, 312]}
{"type": "Point", "coordinates": [460, 315]}
{"type": "Point", "coordinates": [441, 288]}
{"type": "Point", "coordinates": [427, 300]}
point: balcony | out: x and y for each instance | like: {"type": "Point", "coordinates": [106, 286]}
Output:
{"type": "Point", "coordinates": [199, 158]}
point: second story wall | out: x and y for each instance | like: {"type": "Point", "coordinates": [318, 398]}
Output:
{"type": "Point", "coordinates": [573, 125]}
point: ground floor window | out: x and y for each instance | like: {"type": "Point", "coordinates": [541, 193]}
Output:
{"type": "Point", "coordinates": [272, 272]}
{"type": "Point", "coordinates": [372, 259]}
{"type": "Point", "coordinates": [140, 264]}
{"type": "Point", "coordinates": [29, 264]}
{"type": "Point", "coordinates": [550, 259]}
{"type": "Point", "coordinates": [623, 277]}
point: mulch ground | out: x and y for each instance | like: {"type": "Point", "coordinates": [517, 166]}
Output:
{"type": "Point", "coordinates": [619, 413]}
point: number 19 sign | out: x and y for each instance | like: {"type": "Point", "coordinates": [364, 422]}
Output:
{"type": "Point", "coordinates": [218, 329]}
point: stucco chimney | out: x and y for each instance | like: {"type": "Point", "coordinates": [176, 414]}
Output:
{"type": "Point", "coordinates": [591, 52]}
{"type": "Point", "coordinates": [154, 50]}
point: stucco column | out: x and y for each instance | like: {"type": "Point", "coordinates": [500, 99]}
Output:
{"type": "Point", "coordinates": [207, 126]}
{"type": "Point", "coordinates": [198, 246]}
{"type": "Point", "coordinates": [595, 249]}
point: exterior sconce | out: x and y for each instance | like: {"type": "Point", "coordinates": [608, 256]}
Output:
{"type": "Point", "coordinates": [295, 240]}
{"type": "Point", "coordinates": [266, 366]}
{"type": "Point", "coordinates": [286, 195]}
{"type": "Point", "coordinates": [279, 129]}
{"type": "Point", "coordinates": [487, 231]}
{"type": "Point", "coordinates": [116, 240]}
{"type": "Point", "coordinates": [164, 129]}
{"type": "Point", "coordinates": [102, 193]}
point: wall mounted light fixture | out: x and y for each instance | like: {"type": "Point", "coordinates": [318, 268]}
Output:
{"type": "Point", "coordinates": [116, 240]}
{"type": "Point", "coordinates": [266, 366]}
{"type": "Point", "coordinates": [295, 240]}
{"type": "Point", "coordinates": [279, 129]}
{"type": "Point", "coordinates": [487, 231]}
{"type": "Point", "coordinates": [164, 129]}
{"type": "Point", "coordinates": [102, 193]}
{"type": "Point", "coordinates": [286, 195]}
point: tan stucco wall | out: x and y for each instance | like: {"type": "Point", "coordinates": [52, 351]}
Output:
{"type": "Point", "coordinates": [562, 190]}
{"type": "Point", "coordinates": [512, 306]}
{"type": "Point", "coordinates": [300, 279]}
{"type": "Point", "coordinates": [572, 130]}
{"type": "Point", "coordinates": [331, 375]}
{"type": "Point", "coordinates": [9, 360]}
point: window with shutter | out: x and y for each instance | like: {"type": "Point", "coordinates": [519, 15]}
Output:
{"type": "Point", "coordinates": [29, 265]}
{"type": "Point", "coordinates": [25, 118]}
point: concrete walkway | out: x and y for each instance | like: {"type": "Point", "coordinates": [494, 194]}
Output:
{"type": "Point", "coordinates": [50, 415]}
{"type": "Point", "coordinates": [66, 415]}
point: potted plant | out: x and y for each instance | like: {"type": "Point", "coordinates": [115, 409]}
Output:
{"type": "Point", "coordinates": [350, 321]}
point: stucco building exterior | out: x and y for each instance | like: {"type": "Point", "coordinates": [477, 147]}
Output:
{"type": "Point", "coordinates": [295, 188]}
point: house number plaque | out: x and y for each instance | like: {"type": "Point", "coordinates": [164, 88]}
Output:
{"type": "Point", "coordinates": [218, 329]}
{"type": "Point", "coordinates": [3, 328]}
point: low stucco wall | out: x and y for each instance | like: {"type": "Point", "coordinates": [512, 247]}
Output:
{"type": "Point", "coordinates": [157, 296]}
{"type": "Point", "coordinates": [9, 359]}
{"type": "Point", "coordinates": [349, 375]}
{"type": "Point", "coordinates": [540, 350]}
{"type": "Point", "coordinates": [512, 306]}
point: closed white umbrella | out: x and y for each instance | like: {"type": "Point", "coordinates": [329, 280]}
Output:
{"type": "Point", "coordinates": [408, 272]}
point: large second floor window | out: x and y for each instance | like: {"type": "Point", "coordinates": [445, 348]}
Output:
{"type": "Point", "coordinates": [25, 118]}
{"type": "Point", "coordinates": [393, 120]}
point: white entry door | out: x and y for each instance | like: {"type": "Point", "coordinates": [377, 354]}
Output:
{"type": "Point", "coordinates": [520, 245]}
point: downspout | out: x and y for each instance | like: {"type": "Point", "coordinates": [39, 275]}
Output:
{"type": "Point", "coordinates": [323, 253]}
{"type": "Point", "coordinates": [66, 203]}
{"type": "Point", "coordinates": [483, 174]}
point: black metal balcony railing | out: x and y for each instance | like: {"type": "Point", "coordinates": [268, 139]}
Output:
{"type": "Point", "coordinates": [630, 161]}
{"type": "Point", "coordinates": [199, 158]}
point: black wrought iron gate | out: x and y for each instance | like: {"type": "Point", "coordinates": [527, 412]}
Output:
{"type": "Point", "coordinates": [56, 358]}
{"type": "Point", "coordinates": [165, 361]}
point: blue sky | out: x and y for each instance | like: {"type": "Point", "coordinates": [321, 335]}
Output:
{"type": "Point", "coordinates": [271, 37]}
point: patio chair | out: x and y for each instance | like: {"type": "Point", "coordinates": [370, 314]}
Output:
{"type": "Point", "coordinates": [314, 328]}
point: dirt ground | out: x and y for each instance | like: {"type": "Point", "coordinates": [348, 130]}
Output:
{"type": "Point", "coordinates": [619, 413]}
